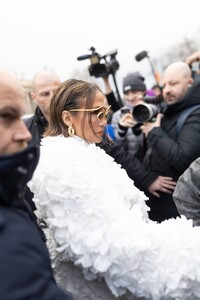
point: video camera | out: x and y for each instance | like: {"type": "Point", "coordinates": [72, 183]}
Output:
{"type": "Point", "coordinates": [98, 69]}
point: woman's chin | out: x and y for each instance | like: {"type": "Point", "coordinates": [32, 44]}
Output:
{"type": "Point", "coordinates": [97, 139]}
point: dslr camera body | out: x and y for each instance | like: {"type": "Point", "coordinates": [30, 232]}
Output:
{"type": "Point", "coordinates": [98, 69]}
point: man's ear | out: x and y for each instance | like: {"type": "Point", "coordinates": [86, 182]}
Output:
{"type": "Point", "coordinates": [32, 94]}
{"type": "Point", "coordinates": [191, 81]}
{"type": "Point", "coordinates": [67, 118]}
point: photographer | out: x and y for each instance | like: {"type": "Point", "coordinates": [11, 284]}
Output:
{"type": "Point", "coordinates": [173, 151]}
{"type": "Point", "coordinates": [126, 129]}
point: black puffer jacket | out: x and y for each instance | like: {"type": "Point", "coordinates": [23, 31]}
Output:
{"type": "Point", "coordinates": [25, 270]}
{"type": "Point", "coordinates": [171, 153]}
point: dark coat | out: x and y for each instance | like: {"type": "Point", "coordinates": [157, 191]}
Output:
{"type": "Point", "coordinates": [115, 105]}
{"type": "Point", "coordinates": [171, 154]}
{"type": "Point", "coordinates": [36, 125]}
{"type": "Point", "coordinates": [25, 269]}
{"type": "Point", "coordinates": [134, 168]}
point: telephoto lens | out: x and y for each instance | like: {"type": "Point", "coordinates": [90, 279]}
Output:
{"type": "Point", "coordinates": [145, 112]}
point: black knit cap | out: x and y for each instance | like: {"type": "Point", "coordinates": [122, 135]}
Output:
{"type": "Point", "coordinates": [133, 82]}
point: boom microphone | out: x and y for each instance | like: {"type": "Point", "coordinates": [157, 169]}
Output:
{"type": "Point", "coordinates": [82, 57]}
{"type": "Point", "coordinates": [141, 55]}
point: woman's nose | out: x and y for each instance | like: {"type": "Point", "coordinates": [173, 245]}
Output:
{"type": "Point", "coordinates": [103, 122]}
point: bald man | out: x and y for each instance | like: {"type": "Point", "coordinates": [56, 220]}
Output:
{"type": "Point", "coordinates": [25, 269]}
{"type": "Point", "coordinates": [44, 84]}
{"type": "Point", "coordinates": [172, 151]}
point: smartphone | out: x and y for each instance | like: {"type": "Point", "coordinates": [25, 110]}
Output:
{"type": "Point", "coordinates": [125, 110]}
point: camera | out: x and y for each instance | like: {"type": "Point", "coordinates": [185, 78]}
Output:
{"type": "Point", "coordinates": [145, 112]}
{"type": "Point", "coordinates": [125, 111]}
{"type": "Point", "coordinates": [157, 100]}
{"type": "Point", "coordinates": [98, 69]}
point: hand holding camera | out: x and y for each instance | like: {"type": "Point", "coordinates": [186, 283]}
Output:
{"type": "Point", "coordinates": [148, 126]}
{"type": "Point", "coordinates": [127, 119]}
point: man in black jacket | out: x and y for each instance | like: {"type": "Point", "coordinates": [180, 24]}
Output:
{"type": "Point", "coordinates": [44, 84]}
{"type": "Point", "coordinates": [173, 151]}
{"type": "Point", "coordinates": [25, 270]}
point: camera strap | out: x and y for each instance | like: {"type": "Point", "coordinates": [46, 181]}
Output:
{"type": "Point", "coordinates": [183, 116]}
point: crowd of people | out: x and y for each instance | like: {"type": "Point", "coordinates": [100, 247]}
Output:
{"type": "Point", "coordinates": [119, 216]}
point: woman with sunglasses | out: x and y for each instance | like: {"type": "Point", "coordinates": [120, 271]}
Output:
{"type": "Point", "coordinates": [97, 217]}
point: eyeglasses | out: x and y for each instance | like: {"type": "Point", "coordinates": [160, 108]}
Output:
{"type": "Point", "coordinates": [101, 112]}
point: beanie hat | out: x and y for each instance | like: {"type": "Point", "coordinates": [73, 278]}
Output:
{"type": "Point", "coordinates": [133, 82]}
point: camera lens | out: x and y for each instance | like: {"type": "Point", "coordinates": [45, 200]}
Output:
{"type": "Point", "coordinates": [144, 112]}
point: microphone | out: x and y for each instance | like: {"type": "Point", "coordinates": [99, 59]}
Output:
{"type": "Point", "coordinates": [141, 55]}
{"type": "Point", "coordinates": [82, 57]}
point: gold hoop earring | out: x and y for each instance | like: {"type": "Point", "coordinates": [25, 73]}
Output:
{"type": "Point", "coordinates": [70, 131]}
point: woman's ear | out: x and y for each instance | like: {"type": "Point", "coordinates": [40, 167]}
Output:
{"type": "Point", "coordinates": [67, 118]}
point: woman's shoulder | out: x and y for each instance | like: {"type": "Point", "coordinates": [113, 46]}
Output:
{"type": "Point", "coordinates": [60, 143]}
{"type": "Point", "coordinates": [51, 140]}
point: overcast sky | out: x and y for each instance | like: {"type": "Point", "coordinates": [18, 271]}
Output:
{"type": "Point", "coordinates": [38, 34]}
